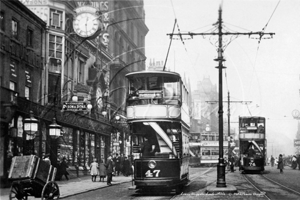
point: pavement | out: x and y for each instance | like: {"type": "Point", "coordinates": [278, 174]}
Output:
{"type": "Point", "coordinates": [76, 186]}
{"type": "Point", "coordinates": [84, 184]}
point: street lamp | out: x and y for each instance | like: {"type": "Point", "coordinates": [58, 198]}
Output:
{"type": "Point", "coordinates": [31, 126]}
{"type": "Point", "coordinates": [54, 129]}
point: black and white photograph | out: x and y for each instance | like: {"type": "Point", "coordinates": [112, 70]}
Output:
{"type": "Point", "coordinates": [149, 99]}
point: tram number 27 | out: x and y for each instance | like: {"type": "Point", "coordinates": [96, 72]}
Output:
{"type": "Point", "coordinates": [155, 173]}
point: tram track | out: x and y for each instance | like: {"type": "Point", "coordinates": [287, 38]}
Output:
{"type": "Point", "coordinates": [269, 188]}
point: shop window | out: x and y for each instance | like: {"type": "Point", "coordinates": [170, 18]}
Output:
{"type": "Point", "coordinates": [15, 28]}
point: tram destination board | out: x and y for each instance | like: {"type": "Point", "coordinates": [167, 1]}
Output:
{"type": "Point", "coordinates": [74, 106]}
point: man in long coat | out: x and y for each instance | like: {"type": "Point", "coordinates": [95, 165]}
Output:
{"type": "Point", "coordinates": [109, 170]}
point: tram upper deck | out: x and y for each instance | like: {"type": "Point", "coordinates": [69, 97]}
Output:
{"type": "Point", "coordinates": [252, 128]}
{"type": "Point", "coordinates": [157, 95]}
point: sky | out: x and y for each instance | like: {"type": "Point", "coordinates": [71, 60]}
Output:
{"type": "Point", "coordinates": [265, 73]}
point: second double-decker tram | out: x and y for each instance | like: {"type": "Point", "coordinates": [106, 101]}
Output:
{"type": "Point", "coordinates": [252, 137]}
{"type": "Point", "coordinates": [158, 116]}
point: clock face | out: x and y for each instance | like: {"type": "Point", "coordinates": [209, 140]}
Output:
{"type": "Point", "coordinates": [86, 24]}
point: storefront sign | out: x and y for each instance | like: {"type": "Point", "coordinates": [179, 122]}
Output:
{"type": "Point", "coordinates": [74, 106]}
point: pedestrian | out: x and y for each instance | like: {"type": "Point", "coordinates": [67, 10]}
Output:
{"type": "Point", "coordinates": [280, 163]}
{"type": "Point", "coordinates": [94, 169]}
{"type": "Point", "coordinates": [117, 165]}
{"type": "Point", "coordinates": [127, 167]}
{"type": "Point", "coordinates": [147, 149]}
{"type": "Point", "coordinates": [276, 162]}
{"type": "Point", "coordinates": [232, 161]}
{"type": "Point", "coordinates": [102, 169]}
{"type": "Point", "coordinates": [122, 158]}
{"type": "Point", "coordinates": [294, 162]}
{"type": "Point", "coordinates": [272, 161]}
{"type": "Point", "coordinates": [109, 170]}
{"type": "Point", "coordinates": [63, 169]}
{"type": "Point", "coordinates": [114, 164]}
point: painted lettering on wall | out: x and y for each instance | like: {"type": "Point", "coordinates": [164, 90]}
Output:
{"type": "Point", "coordinates": [34, 2]}
{"type": "Point", "coordinates": [102, 6]}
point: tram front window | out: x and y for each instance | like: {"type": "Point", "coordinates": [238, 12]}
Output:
{"type": "Point", "coordinates": [154, 90]}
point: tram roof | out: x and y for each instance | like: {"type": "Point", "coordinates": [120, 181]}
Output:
{"type": "Point", "coordinates": [145, 72]}
{"type": "Point", "coordinates": [252, 117]}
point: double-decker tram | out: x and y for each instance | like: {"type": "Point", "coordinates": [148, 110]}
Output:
{"type": "Point", "coordinates": [252, 136]}
{"type": "Point", "coordinates": [158, 116]}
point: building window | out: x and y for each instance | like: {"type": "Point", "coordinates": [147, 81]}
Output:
{"type": "Point", "coordinates": [27, 92]}
{"type": "Point", "coordinates": [81, 72]}
{"type": "Point", "coordinates": [55, 46]}
{"type": "Point", "coordinates": [12, 85]}
{"type": "Point", "coordinates": [2, 23]}
{"type": "Point", "coordinates": [56, 19]}
{"type": "Point", "coordinates": [28, 84]}
{"type": "Point", "coordinates": [29, 37]}
{"type": "Point", "coordinates": [14, 28]}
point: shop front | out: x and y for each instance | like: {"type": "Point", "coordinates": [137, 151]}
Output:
{"type": "Point", "coordinates": [82, 138]}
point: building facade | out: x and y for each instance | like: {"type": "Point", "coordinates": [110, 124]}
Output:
{"type": "Point", "coordinates": [22, 40]}
{"type": "Point", "coordinates": [89, 71]}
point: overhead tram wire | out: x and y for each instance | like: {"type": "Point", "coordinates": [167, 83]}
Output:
{"type": "Point", "coordinates": [259, 40]}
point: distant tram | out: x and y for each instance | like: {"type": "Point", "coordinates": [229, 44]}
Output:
{"type": "Point", "coordinates": [252, 137]}
{"type": "Point", "coordinates": [158, 116]}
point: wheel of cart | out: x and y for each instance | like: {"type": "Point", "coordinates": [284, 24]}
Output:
{"type": "Point", "coordinates": [50, 191]}
{"type": "Point", "coordinates": [32, 176]}
{"type": "Point", "coordinates": [17, 192]}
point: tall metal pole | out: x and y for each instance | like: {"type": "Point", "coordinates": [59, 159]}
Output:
{"type": "Point", "coordinates": [228, 140]}
{"type": "Point", "coordinates": [221, 166]}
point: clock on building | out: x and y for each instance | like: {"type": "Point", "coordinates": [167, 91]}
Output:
{"type": "Point", "coordinates": [86, 24]}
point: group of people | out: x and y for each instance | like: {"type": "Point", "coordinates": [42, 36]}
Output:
{"type": "Point", "coordinates": [114, 166]}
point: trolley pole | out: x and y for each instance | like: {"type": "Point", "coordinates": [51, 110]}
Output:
{"type": "Point", "coordinates": [221, 183]}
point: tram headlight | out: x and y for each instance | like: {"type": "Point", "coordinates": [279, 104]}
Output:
{"type": "Point", "coordinates": [151, 164]}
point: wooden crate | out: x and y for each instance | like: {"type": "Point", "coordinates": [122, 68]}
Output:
{"type": "Point", "coordinates": [23, 167]}
{"type": "Point", "coordinates": [42, 171]}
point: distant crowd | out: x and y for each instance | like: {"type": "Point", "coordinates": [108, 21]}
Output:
{"type": "Point", "coordinates": [292, 161]}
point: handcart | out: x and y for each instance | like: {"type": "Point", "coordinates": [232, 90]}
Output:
{"type": "Point", "coordinates": [32, 176]}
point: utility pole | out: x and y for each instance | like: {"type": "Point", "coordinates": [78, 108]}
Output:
{"type": "Point", "coordinates": [221, 183]}
{"type": "Point", "coordinates": [228, 115]}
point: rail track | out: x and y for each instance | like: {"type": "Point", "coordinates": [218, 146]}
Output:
{"type": "Point", "coordinates": [269, 188]}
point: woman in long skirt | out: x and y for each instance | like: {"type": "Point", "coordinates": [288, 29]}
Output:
{"type": "Point", "coordinates": [94, 170]}
{"type": "Point", "coordinates": [102, 170]}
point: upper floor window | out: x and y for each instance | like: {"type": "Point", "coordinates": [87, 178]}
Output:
{"type": "Point", "coordinates": [28, 84]}
{"type": "Point", "coordinates": [29, 37]}
{"type": "Point", "coordinates": [15, 28]}
{"type": "Point", "coordinates": [55, 46]}
{"type": "Point", "coordinates": [81, 71]}
{"type": "Point", "coordinates": [56, 20]}
{"type": "Point", "coordinates": [2, 23]}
